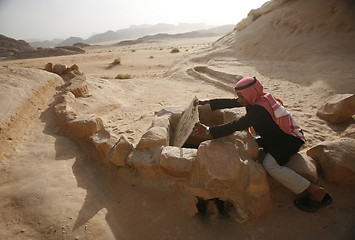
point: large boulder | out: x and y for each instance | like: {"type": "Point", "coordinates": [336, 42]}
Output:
{"type": "Point", "coordinates": [218, 172]}
{"type": "Point", "coordinates": [338, 109]}
{"type": "Point", "coordinates": [336, 159]}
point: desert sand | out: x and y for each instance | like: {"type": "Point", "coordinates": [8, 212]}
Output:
{"type": "Point", "coordinates": [50, 188]}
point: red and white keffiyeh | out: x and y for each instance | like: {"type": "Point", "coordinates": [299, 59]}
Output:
{"type": "Point", "coordinates": [253, 92]}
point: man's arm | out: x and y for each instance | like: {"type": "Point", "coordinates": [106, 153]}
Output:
{"type": "Point", "coordinates": [222, 103]}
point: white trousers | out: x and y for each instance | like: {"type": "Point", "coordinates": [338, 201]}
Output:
{"type": "Point", "coordinates": [286, 176]}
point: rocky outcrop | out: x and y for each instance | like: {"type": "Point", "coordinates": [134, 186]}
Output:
{"type": "Point", "coordinates": [19, 49]}
{"type": "Point", "coordinates": [338, 109]}
{"type": "Point", "coordinates": [336, 159]}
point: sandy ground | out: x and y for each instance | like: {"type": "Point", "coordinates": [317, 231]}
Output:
{"type": "Point", "coordinates": [51, 189]}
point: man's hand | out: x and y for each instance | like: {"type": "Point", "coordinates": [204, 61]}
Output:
{"type": "Point", "coordinates": [201, 102]}
{"type": "Point", "coordinates": [200, 129]}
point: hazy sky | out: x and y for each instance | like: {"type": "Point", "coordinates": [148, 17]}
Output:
{"type": "Point", "coordinates": [49, 19]}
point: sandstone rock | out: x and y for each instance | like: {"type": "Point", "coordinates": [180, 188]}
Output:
{"type": "Point", "coordinates": [145, 161]}
{"type": "Point", "coordinates": [65, 113]}
{"type": "Point", "coordinates": [59, 68]}
{"type": "Point", "coordinates": [349, 132]}
{"type": "Point", "coordinates": [49, 67]}
{"type": "Point", "coordinates": [218, 172]}
{"type": "Point", "coordinates": [120, 151]}
{"type": "Point", "coordinates": [338, 109]}
{"type": "Point", "coordinates": [217, 169]}
{"type": "Point", "coordinates": [84, 126]}
{"type": "Point", "coordinates": [73, 74]}
{"type": "Point", "coordinates": [162, 121]}
{"type": "Point", "coordinates": [248, 148]}
{"type": "Point", "coordinates": [174, 114]}
{"type": "Point", "coordinates": [177, 162]}
{"type": "Point", "coordinates": [103, 143]}
{"type": "Point", "coordinates": [305, 166]}
{"type": "Point", "coordinates": [230, 115]}
{"type": "Point", "coordinates": [336, 159]}
{"type": "Point", "coordinates": [79, 88]}
{"type": "Point", "coordinates": [208, 117]}
{"type": "Point", "coordinates": [74, 67]}
{"type": "Point", "coordinates": [153, 137]}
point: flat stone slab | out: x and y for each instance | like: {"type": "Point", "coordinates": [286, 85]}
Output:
{"type": "Point", "coordinates": [186, 124]}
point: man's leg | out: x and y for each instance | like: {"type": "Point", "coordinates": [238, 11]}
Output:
{"type": "Point", "coordinates": [286, 176]}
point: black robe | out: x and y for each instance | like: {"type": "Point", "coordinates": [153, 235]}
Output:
{"type": "Point", "coordinates": [273, 140]}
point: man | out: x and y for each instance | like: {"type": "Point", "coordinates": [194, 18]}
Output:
{"type": "Point", "coordinates": [281, 137]}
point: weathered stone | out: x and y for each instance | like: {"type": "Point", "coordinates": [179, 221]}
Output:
{"type": "Point", "coordinates": [338, 109]}
{"type": "Point", "coordinates": [174, 114]}
{"type": "Point", "coordinates": [75, 75]}
{"type": "Point", "coordinates": [218, 172]}
{"type": "Point", "coordinates": [65, 113]}
{"type": "Point", "coordinates": [305, 166]}
{"type": "Point", "coordinates": [162, 121]}
{"type": "Point", "coordinates": [49, 67]}
{"type": "Point", "coordinates": [74, 67]}
{"type": "Point", "coordinates": [230, 115]}
{"type": "Point", "coordinates": [59, 68]}
{"type": "Point", "coordinates": [78, 87]}
{"type": "Point", "coordinates": [217, 168]}
{"type": "Point", "coordinates": [120, 151]}
{"type": "Point", "coordinates": [336, 159]}
{"type": "Point", "coordinates": [177, 162]}
{"type": "Point", "coordinates": [208, 117]}
{"type": "Point", "coordinates": [154, 136]}
{"type": "Point", "coordinates": [248, 148]}
{"type": "Point", "coordinates": [103, 143]}
{"type": "Point", "coordinates": [145, 161]}
{"type": "Point", "coordinates": [349, 132]}
{"type": "Point", "coordinates": [84, 126]}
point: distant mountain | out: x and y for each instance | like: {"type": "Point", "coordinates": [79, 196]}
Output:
{"type": "Point", "coordinates": [70, 41]}
{"type": "Point", "coordinates": [38, 43]}
{"type": "Point", "coordinates": [136, 31]}
{"type": "Point", "coordinates": [213, 32]}
{"type": "Point", "coordinates": [133, 32]}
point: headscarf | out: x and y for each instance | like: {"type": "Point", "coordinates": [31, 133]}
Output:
{"type": "Point", "coordinates": [253, 92]}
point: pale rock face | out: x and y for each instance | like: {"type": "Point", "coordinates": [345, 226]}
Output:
{"type": "Point", "coordinates": [336, 159]}
{"type": "Point", "coordinates": [338, 109]}
{"type": "Point", "coordinates": [177, 162]}
{"type": "Point", "coordinates": [154, 136]}
{"type": "Point", "coordinates": [120, 151]}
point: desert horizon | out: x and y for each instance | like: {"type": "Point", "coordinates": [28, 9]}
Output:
{"type": "Point", "coordinates": [87, 132]}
